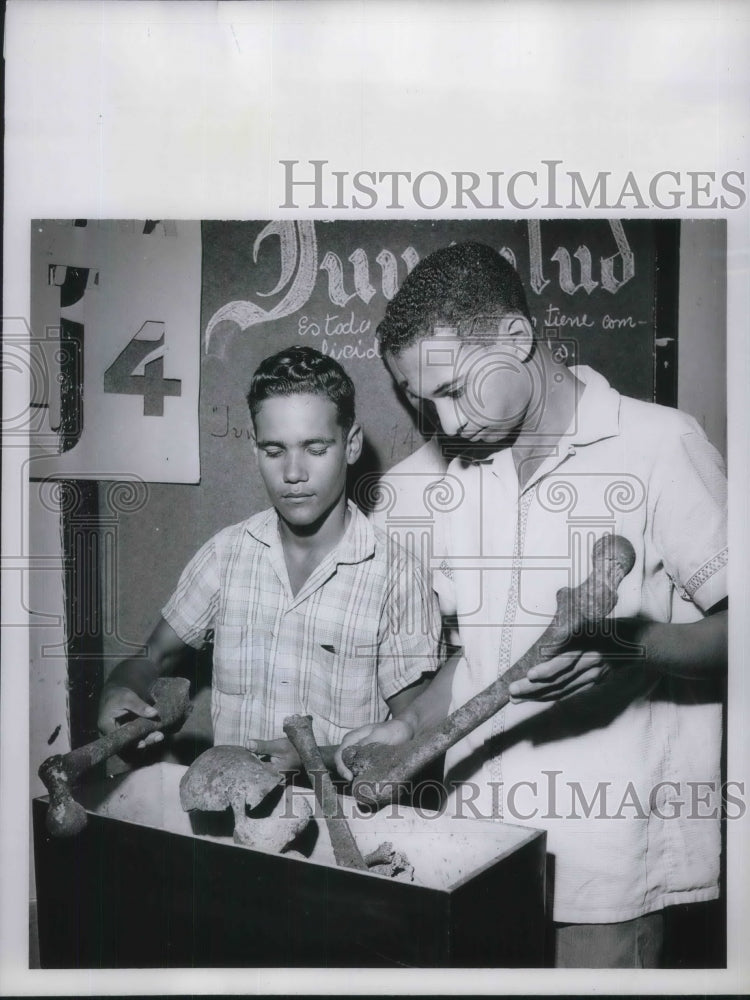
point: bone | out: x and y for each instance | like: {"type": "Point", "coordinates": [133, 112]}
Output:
{"type": "Point", "coordinates": [385, 860]}
{"type": "Point", "coordinates": [298, 729]}
{"type": "Point", "coordinates": [65, 816]}
{"type": "Point", "coordinates": [380, 771]}
{"type": "Point", "coordinates": [275, 833]}
{"type": "Point", "coordinates": [227, 776]}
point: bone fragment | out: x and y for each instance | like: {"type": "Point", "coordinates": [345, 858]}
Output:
{"type": "Point", "coordinates": [227, 776]}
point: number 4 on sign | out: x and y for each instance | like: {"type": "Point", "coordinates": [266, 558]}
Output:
{"type": "Point", "coordinates": [138, 370]}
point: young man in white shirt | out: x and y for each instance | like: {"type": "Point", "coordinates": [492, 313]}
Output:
{"type": "Point", "coordinates": [602, 746]}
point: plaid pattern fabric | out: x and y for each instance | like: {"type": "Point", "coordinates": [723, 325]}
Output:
{"type": "Point", "coordinates": [364, 625]}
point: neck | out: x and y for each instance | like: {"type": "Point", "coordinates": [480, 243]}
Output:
{"type": "Point", "coordinates": [563, 390]}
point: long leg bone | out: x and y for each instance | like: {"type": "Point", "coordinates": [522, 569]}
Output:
{"type": "Point", "coordinates": [298, 729]}
{"type": "Point", "coordinates": [380, 770]}
{"type": "Point", "coordinates": [65, 816]}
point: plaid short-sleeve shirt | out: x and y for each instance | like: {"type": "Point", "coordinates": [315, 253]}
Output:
{"type": "Point", "coordinates": [364, 625]}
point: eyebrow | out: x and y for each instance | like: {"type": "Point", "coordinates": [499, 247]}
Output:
{"type": "Point", "coordinates": [305, 444]}
{"type": "Point", "coordinates": [445, 387]}
{"type": "Point", "coordinates": [440, 390]}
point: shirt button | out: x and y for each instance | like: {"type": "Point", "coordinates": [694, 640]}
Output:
{"type": "Point", "coordinates": [571, 450]}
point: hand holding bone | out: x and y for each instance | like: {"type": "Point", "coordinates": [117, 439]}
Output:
{"type": "Point", "coordinates": [117, 702]}
{"type": "Point", "coordinates": [65, 816]}
{"type": "Point", "coordinates": [393, 732]}
{"type": "Point", "coordinates": [379, 770]}
{"type": "Point", "coordinates": [566, 674]}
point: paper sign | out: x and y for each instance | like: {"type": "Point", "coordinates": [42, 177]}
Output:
{"type": "Point", "coordinates": [115, 321]}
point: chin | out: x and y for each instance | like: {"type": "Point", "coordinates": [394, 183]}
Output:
{"type": "Point", "coordinates": [301, 519]}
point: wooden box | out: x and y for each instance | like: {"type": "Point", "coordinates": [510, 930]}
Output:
{"type": "Point", "coordinates": [139, 887]}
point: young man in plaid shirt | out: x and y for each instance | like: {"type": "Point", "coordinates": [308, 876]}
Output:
{"type": "Point", "coordinates": [302, 601]}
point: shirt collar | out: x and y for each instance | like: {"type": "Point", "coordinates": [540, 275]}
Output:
{"type": "Point", "coordinates": [597, 415]}
{"type": "Point", "coordinates": [357, 544]}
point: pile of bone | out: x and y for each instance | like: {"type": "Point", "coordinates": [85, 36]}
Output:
{"type": "Point", "coordinates": [231, 777]}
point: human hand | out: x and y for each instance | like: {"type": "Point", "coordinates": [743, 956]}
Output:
{"type": "Point", "coordinates": [559, 677]}
{"type": "Point", "coordinates": [116, 703]}
{"type": "Point", "coordinates": [394, 732]}
{"type": "Point", "coordinates": [281, 753]}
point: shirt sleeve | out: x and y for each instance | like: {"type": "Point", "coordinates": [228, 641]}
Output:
{"type": "Point", "coordinates": [192, 607]}
{"type": "Point", "coordinates": [409, 632]}
{"type": "Point", "coordinates": [690, 516]}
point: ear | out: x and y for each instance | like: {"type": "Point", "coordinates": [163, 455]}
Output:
{"type": "Point", "coordinates": [254, 440]}
{"type": "Point", "coordinates": [521, 335]}
{"type": "Point", "coordinates": [354, 442]}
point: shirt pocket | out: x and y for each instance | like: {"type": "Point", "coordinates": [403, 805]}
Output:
{"type": "Point", "coordinates": [239, 658]}
{"type": "Point", "coordinates": [342, 688]}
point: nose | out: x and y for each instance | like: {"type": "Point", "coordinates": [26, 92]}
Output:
{"type": "Point", "coordinates": [294, 468]}
{"type": "Point", "coordinates": [451, 419]}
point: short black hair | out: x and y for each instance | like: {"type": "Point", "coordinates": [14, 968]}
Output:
{"type": "Point", "coordinates": [298, 370]}
{"type": "Point", "coordinates": [454, 286]}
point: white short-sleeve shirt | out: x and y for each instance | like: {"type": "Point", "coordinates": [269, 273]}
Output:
{"type": "Point", "coordinates": [625, 777]}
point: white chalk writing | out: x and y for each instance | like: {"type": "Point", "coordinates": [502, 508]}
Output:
{"type": "Point", "coordinates": [299, 270]}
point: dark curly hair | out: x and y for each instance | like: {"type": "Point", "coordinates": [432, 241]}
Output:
{"type": "Point", "coordinates": [298, 370]}
{"type": "Point", "coordinates": [455, 286]}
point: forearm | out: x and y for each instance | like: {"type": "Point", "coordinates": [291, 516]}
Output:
{"type": "Point", "coordinates": [165, 654]}
{"type": "Point", "coordinates": [398, 703]}
{"type": "Point", "coordinates": [136, 674]}
{"type": "Point", "coordinates": [694, 650]}
{"type": "Point", "coordinates": [432, 703]}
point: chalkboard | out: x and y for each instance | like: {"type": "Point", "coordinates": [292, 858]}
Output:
{"type": "Point", "coordinates": [606, 290]}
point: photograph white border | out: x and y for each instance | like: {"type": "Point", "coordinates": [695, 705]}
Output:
{"type": "Point", "coordinates": [184, 110]}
